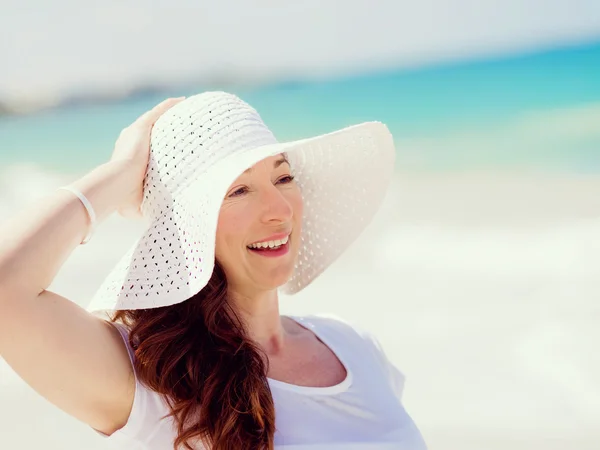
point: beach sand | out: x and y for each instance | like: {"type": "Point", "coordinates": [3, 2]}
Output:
{"type": "Point", "coordinates": [482, 287]}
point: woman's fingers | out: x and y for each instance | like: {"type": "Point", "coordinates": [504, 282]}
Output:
{"type": "Point", "coordinates": [149, 117]}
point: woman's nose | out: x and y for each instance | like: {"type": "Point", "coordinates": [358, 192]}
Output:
{"type": "Point", "coordinates": [275, 207]}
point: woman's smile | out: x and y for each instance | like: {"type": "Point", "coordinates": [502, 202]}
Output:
{"type": "Point", "coordinates": [273, 249]}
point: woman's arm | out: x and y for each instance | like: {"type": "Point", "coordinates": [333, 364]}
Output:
{"type": "Point", "coordinates": [36, 242]}
{"type": "Point", "coordinates": [74, 359]}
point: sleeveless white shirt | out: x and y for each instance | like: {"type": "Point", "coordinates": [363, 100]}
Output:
{"type": "Point", "coordinates": [363, 412]}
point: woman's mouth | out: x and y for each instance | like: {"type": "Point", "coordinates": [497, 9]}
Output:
{"type": "Point", "coordinates": [272, 248]}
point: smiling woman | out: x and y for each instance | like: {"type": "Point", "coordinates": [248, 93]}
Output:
{"type": "Point", "coordinates": [263, 208]}
{"type": "Point", "coordinates": [198, 355]}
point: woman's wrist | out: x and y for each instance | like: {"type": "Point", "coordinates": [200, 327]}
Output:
{"type": "Point", "coordinates": [108, 187]}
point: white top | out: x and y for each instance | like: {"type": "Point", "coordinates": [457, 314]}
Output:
{"type": "Point", "coordinates": [363, 412]}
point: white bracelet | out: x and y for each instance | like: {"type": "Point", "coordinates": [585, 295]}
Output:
{"type": "Point", "coordinates": [89, 208]}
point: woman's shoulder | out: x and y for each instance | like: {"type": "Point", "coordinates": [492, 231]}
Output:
{"type": "Point", "coordinates": [324, 321]}
{"type": "Point", "coordinates": [356, 340]}
{"type": "Point", "coordinates": [336, 326]}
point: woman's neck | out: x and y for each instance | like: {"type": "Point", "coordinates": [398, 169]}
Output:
{"type": "Point", "coordinates": [260, 313]}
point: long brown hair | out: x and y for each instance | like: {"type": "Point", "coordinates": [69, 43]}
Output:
{"type": "Point", "coordinates": [198, 355]}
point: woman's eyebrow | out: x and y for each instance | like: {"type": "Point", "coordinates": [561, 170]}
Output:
{"type": "Point", "coordinates": [276, 164]}
{"type": "Point", "coordinates": [280, 161]}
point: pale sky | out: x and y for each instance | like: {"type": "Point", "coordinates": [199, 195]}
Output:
{"type": "Point", "coordinates": [65, 46]}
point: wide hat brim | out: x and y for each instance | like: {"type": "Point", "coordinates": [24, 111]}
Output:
{"type": "Point", "coordinates": [343, 177]}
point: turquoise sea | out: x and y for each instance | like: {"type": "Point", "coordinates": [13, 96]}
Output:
{"type": "Point", "coordinates": [537, 111]}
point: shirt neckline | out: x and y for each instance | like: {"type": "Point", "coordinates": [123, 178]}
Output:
{"type": "Point", "coordinates": [316, 390]}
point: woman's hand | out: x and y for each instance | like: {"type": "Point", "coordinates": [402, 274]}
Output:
{"type": "Point", "coordinates": [133, 148]}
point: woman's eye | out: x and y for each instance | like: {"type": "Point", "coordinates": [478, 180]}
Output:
{"type": "Point", "coordinates": [238, 192]}
{"type": "Point", "coordinates": [286, 179]}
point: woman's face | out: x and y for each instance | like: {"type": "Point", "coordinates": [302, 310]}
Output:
{"type": "Point", "coordinates": [258, 233]}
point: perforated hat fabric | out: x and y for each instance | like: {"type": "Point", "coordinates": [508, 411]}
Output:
{"type": "Point", "coordinates": [197, 150]}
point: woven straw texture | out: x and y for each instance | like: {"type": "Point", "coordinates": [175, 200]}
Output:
{"type": "Point", "coordinates": [198, 148]}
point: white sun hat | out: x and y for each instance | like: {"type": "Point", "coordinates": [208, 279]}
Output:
{"type": "Point", "coordinates": [197, 149]}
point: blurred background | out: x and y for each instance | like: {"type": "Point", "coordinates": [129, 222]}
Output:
{"type": "Point", "coordinates": [481, 270]}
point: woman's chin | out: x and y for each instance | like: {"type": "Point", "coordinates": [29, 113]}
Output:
{"type": "Point", "coordinates": [275, 280]}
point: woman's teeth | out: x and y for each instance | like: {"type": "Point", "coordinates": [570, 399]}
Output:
{"type": "Point", "coordinates": [270, 244]}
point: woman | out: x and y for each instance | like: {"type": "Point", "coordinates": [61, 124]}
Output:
{"type": "Point", "coordinates": [183, 345]}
